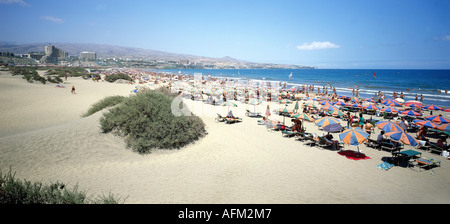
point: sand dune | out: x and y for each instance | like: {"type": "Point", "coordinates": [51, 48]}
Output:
{"type": "Point", "coordinates": [43, 138]}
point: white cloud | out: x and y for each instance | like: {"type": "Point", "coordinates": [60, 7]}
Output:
{"type": "Point", "coordinates": [53, 19]}
{"type": "Point", "coordinates": [20, 2]}
{"type": "Point", "coordinates": [317, 46]}
{"type": "Point", "coordinates": [446, 38]}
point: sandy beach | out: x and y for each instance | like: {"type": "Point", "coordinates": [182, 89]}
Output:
{"type": "Point", "coordinates": [44, 138]}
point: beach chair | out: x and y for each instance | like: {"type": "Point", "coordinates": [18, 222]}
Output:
{"type": "Point", "coordinates": [387, 146]}
{"type": "Point", "coordinates": [252, 114]}
{"type": "Point", "coordinates": [435, 148]}
{"type": "Point", "coordinates": [231, 120]}
{"type": "Point", "coordinates": [311, 140]}
{"type": "Point", "coordinates": [373, 143]}
{"type": "Point", "coordinates": [302, 136]}
{"type": "Point", "coordinates": [289, 134]}
{"type": "Point", "coordinates": [219, 118]}
{"type": "Point", "coordinates": [425, 162]}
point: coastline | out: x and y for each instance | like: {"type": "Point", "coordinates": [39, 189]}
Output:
{"type": "Point", "coordinates": [45, 139]}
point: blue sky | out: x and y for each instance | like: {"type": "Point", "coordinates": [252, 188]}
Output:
{"type": "Point", "coordinates": [406, 34]}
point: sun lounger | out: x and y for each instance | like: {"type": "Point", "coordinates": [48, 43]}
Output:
{"type": "Point", "coordinates": [390, 147]}
{"type": "Point", "coordinates": [229, 120]}
{"type": "Point", "coordinates": [219, 118]}
{"type": "Point", "coordinates": [425, 162]}
{"type": "Point", "coordinates": [373, 143]}
{"type": "Point", "coordinates": [288, 133]}
{"type": "Point", "coordinates": [302, 136]}
{"type": "Point", "coordinates": [435, 148]}
{"type": "Point", "coordinates": [311, 141]}
{"type": "Point", "coordinates": [252, 114]}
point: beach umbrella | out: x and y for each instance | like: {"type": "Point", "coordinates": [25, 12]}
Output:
{"type": "Point", "coordinates": [403, 137]}
{"type": "Point", "coordinates": [304, 116]}
{"type": "Point", "coordinates": [332, 128]}
{"type": "Point", "coordinates": [340, 103]}
{"type": "Point", "coordinates": [411, 113]}
{"type": "Point", "coordinates": [296, 107]}
{"type": "Point", "coordinates": [336, 113]}
{"type": "Point", "coordinates": [389, 110]}
{"type": "Point", "coordinates": [372, 107]}
{"type": "Point", "coordinates": [254, 102]}
{"type": "Point", "coordinates": [437, 119]}
{"type": "Point", "coordinates": [356, 105]}
{"type": "Point", "coordinates": [370, 100]}
{"type": "Point", "coordinates": [444, 127]}
{"type": "Point", "coordinates": [284, 112]}
{"type": "Point", "coordinates": [285, 101]}
{"type": "Point", "coordinates": [447, 110]}
{"type": "Point", "coordinates": [388, 126]}
{"type": "Point", "coordinates": [310, 105]}
{"type": "Point", "coordinates": [325, 102]}
{"type": "Point", "coordinates": [324, 121]}
{"type": "Point", "coordinates": [329, 107]}
{"type": "Point", "coordinates": [425, 123]}
{"type": "Point", "coordinates": [229, 104]}
{"type": "Point", "coordinates": [399, 100]}
{"type": "Point", "coordinates": [413, 104]}
{"type": "Point", "coordinates": [354, 136]}
{"type": "Point", "coordinates": [432, 107]}
{"type": "Point", "coordinates": [393, 103]}
{"type": "Point", "coordinates": [386, 101]}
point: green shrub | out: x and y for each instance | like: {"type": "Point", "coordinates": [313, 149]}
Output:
{"type": "Point", "coordinates": [14, 191]}
{"type": "Point", "coordinates": [104, 103]}
{"type": "Point", "coordinates": [114, 77]}
{"type": "Point", "coordinates": [147, 123]}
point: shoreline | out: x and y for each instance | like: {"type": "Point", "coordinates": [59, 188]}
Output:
{"type": "Point", "coordinates": [45, 139]}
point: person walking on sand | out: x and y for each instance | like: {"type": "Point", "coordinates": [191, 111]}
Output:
{"type": "Point", "coordinates": [73, 89]}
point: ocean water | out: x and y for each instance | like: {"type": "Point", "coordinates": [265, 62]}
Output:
{"type": "Point", "coordinates": [431, 83]}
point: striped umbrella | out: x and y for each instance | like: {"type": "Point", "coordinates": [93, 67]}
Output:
{"type": "Point", "coordinates": [413, 105]}
{"type": "Point", "coordinates": [393, 103]}
{"type": "Point", "coordinates": [425, 123]}
{"type": "Point", "coordinates": [370, 100]}
{"type": "Point", "coordinates": [372, 107]}
{"type": "Point", "coordinates": [229, 104]}
{"type": "Point", "coordinates": [432, 107]}
{"type": "Point", "coordinates": [254, 102]}
{"type": "Point", "coordinates": [411, 113]}
{"type": "Point", "coordinates": [284, 111]}
{"type": "Point", "coordinates": [296, 107]}
{"type": "Point", "coordinates": [356, 105]}
{"type": "Point", "coordinates": [304, 117]}
{"type": "Point", "coordinates": [310, 105]}
{"type": "Point", "coordinates": [438, 119]}
{"type": "Point", "coordinates": [324, 121]}
{"type": "Point", "coordinates": [403, 137]}
{"type": "Point", "coordinates": [444, 127]}
{"type": "Point", "coordinates": [447, 110]}
{"type": "Point", "coordinates": [337, 113]}
{"type": "Point", "coordinates": [388, 126]}
{"type": "Point", "coordinates": [285, 101]}
{"type": "Point", "coordinates": [354, 136]}
{"type": "Point", "coordinates": [329, 107]}
{"type": "Point", "coordinates": [340, 103]}
{"type": "Point", "coordinates": [389, 110]}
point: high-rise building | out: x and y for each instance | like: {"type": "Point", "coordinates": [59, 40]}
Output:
{"type": "Point", "coordinates": [88, 56]}
{"type": "Point", "coordinates": [53, 54]}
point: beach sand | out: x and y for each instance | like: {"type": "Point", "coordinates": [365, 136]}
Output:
{"type": "Point", "coordinates": [44, 138]}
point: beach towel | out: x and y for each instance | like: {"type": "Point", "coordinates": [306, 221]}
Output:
{"type": "Point", "coordinates": [385, 166]}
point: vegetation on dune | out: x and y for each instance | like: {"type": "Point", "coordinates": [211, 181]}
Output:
{"type": "Point", "coordinates": [147, 123]}
{"type": "Point", "coordinates": [15, 191]}
{"type": "Point", "coordinates": [104, 103]}
{"type": "Point", "coordinates": [115, 77]}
